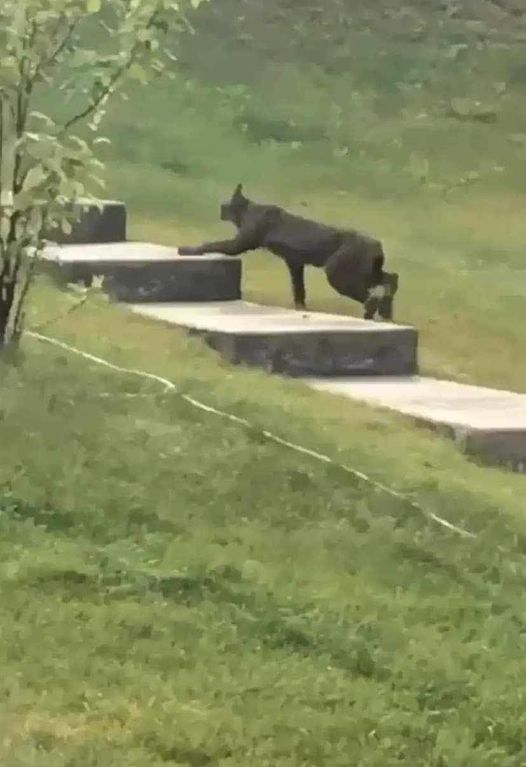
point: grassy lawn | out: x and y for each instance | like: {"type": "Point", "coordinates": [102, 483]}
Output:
{"type": "Point", "coordinates": [176, 590]}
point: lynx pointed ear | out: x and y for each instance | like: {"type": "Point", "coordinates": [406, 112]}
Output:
{"type": "Point", "coordinates": [238, 193]}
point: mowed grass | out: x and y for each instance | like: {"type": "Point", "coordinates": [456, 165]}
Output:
{"type": "Point", "coordinates": [177, 590]}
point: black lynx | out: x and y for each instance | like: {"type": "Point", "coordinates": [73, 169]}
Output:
{"type": "Point", "coordinates": [353, 262]}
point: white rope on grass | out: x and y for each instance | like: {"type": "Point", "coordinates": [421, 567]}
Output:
{"type": "Point", "coordinates": [124, 394]}
{"type": "Point", "coordinates": [169, 386]}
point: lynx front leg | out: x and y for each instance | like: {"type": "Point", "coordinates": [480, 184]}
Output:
{"type": "Point", "coordinates": [297, 275]}
{"type": "Point", "coordinates": [233, 247]}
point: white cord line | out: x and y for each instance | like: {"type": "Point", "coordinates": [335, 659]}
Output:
{"type": "Point", "coordinates": [169, 386]}
{"type": "Point", "coordinates": [124, 394]}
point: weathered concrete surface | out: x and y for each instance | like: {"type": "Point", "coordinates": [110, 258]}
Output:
{"type": "Point", "coordinates": [139, 272]}
{"type": "Point", "coordinates": [486, 422]}
{"type": "Point", "coordinates": [95, 224]}
{"type": "Point", "coordinates": [295, 343]}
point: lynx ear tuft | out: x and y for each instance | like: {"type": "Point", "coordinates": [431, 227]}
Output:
{"type": "Point", "coordinates": [238, 192]}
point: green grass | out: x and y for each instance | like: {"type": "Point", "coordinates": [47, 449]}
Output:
{"type": "Point", "coordinates": [176, 590]}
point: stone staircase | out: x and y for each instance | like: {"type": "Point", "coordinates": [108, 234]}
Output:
{"type": "Point", "coordinates": [376, 363]}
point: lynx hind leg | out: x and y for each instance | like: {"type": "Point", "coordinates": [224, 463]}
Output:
{"type": "Point", "coordinates": [390, 287]}
{"type": "Point", "coordinates": [372, 303]}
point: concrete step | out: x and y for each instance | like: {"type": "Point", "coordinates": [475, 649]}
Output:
{"type": "Point", "coordinates": [487, 422]}
{"type": "Point", "coordinates": [294, 343]}
{"type": "Point", "coordinates": [102, 223]}
{"type": "Point", "coordinates": [138, 272]}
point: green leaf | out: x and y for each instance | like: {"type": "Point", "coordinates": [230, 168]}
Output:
{"type": "Point", "coordinates": [42, 118]}
{"type": "Point", "coordinates": [93, 6]}
{"type": "Point", "coordinates": [35, 177]}
{"type": "Point", "coordinates": [66, 227]}
{"type": "Point", "coordinates": [138, 73]}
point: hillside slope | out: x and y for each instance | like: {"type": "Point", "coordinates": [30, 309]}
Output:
{"type": "Point", "coordinates": [177, 590]}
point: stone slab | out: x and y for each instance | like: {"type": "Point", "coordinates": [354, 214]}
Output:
{"type": "Point", "coordinates": [490, 423]}
{"type": "Point", "coordinates": [140, 272]}
{"type": "Point", "coordinates": [295, 343]}
{"type": "Point", "coordinates": [94, 224]}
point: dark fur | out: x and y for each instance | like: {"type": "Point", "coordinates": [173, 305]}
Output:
{"type": "Point", "coordinates": [353, 262]}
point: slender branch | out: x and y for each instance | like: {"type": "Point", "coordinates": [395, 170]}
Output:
{"type": "Point", "coordinates": [107, 90]}
{"type": "Point", "coordinates": [23, 101]}
{"type": "Point", "coordinates": [19, 316]}
{"type": "Point", "coordinates": [52, 59]}
{"type": "Point", "coordinates": [502, 5]}
{"type": "Point", "coordinates": [57, 318]}
{"type": "Point", "coordinates": [96, 103]}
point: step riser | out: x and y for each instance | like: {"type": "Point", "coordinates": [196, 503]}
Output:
{"type": "Point", "coordinates": [486, 424]}
{"type": "Point", "coordinates": [163, 283]}
{"type": "Point", "coordinates": [321, 354]}
{"type": "Point", "coordinates": [506, 449]}
{"type": "Point", "coordinates": [160, 282]}
{"type": "Point", "coordinates": [107, 224]}
{"type": "Point", "coordinates": [294, 343]}
{"type": "Point", "coordinates": [143, 273]}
